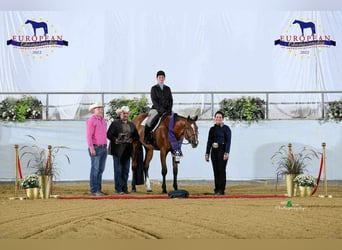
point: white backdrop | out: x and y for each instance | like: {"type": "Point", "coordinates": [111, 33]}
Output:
{"type": "Point", "coordinates": [207, 46]}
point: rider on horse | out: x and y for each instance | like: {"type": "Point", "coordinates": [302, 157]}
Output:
{"type": "Point", "coordinates": [162, 103]}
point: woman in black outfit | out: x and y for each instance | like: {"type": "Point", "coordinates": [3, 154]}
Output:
{"type": "Point", "coordinates": [218, 146]}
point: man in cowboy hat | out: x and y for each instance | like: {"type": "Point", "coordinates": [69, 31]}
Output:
{"type": "Point", "coordinates": [96, 128]}
{"type": "Point", "coordinates": [121, 134]}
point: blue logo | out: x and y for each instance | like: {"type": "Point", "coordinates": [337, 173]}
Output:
{"type": "Point", "coordinates": [35, 41]}
{"type": "Point", "coordinates": [39, 25]}
{"type": "Point", "coordinates": [302, 34]}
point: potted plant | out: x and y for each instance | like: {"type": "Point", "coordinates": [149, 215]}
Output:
{"type": "Point", "coordinates": [45, 164]}
{"type": "Point", "coordinates": [249, 109]}
{"type": "Point", "coordinates": [334, 111]}
{"type": "Point", "coordinates": [305, 184]}
{"type": "Point", "coordinates": [31, 184]}
{"type": "Point", "coordinates": [26, 107]}
{"type": "Point", "coordinates": [291, 164]}
{"type": "Point", "coordinates": [136, 106]}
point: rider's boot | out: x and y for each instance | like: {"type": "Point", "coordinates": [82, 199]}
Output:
{"type": "Point", "coordinates": [147, 136]}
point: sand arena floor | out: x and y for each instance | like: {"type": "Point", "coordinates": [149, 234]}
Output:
{"type": "Point", "coordinates": [205, 218]}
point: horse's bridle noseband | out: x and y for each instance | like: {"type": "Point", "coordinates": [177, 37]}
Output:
{"type": "Point", "coordinates": [191, 140]}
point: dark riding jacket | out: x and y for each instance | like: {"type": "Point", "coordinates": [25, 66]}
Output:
{"type": "Point", "coordinates": [221, 135]}
{"type": "Point", "coordinates": [162, 99]}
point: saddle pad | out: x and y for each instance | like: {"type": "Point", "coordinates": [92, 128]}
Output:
{"type": "Point", "coordinates": [144, 121]}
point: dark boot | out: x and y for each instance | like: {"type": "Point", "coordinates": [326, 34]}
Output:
{"type": "Point", "coordinates": [147, 136]}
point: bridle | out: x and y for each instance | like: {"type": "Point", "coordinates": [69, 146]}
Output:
{"type": "Point", "coordinates": [192, 138]}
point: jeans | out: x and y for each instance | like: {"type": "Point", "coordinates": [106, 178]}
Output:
{"type": "Point", "coordinates": [98, 163]}
{"type": "Point", "coordinates": [121, 171]}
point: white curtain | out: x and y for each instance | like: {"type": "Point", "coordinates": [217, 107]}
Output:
{"type": "Point", "coordinates": [214, 49]}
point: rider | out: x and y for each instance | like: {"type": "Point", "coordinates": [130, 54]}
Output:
{"type": "Point", "coordinates": [162, 102]}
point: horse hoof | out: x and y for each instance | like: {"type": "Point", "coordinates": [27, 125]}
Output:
{"type": "Point", "coordinates": [149, 191]}
{"type": "Point", "coordinates": [133, 190]}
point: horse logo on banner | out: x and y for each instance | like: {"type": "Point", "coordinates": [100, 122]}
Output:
{"type": "Point", "coordinates": [36, 25]}
{"type": "Point", "coordinates": [304, 42]}
{"type": "Point", "coordinates": [304, 25]}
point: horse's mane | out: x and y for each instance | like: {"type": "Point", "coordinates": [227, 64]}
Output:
{"type": "Point", "coordinates": [176, 116]}
{"type": "Point", "coordinates": [182, 117]}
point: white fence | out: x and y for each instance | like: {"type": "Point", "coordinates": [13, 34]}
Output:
{"type": "Point", "coordinates": [310, 105]}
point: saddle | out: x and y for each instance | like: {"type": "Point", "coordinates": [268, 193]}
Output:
{"type": "Point", "coordinates": [156, 124]}
{"type": "Point", "coordinates": [149, 132]}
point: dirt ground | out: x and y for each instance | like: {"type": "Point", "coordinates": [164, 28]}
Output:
{"type": "Point", "coordinates": [204, 218]}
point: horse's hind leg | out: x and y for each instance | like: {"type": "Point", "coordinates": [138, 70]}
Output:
{"type": "Point", "coordinates": [175, 173]}
{"type": "Point", "coordinates": [148, 158]}
{"type": "Point", "coordinates": [136, 151]}
{"type": "Point", "coordinates": [147, 181]}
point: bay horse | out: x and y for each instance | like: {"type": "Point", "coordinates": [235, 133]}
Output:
{"type": "Point", "coordinates": [183, 126]}
{"type": "Point", "coordinates": [36, 25]}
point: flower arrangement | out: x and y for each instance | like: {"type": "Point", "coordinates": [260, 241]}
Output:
{"type": "Point", "coordinates": [304, 180]}
{"type": "Point", "coordinates": [30, 181]}
{"type": "Point", "coordinates": [335, 111]}
{"type": "Point", "coordinates": [27, 107]}
{"type": "Point", "coordinates": [136, 106]}
{"type": "Point", "coordinates": [250, 109]}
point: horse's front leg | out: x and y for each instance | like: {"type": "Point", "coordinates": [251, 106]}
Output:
{"type": "Point", "coordinates": [164, 169]}
{"type": "Point", "coordinates": [175, 173]}
{"type": "Point", "coordinates": [134, 180]}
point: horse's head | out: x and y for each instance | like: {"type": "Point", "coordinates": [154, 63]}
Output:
{"type": "Point", "coordinates": [27, 21]}
{"type": "Point", "coordinates": [191, 131]}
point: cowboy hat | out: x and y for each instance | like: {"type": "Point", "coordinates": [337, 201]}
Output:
{"type": "Point", "coordinates": [95, 105]}
{"type": "Point", "coordinates": [124, 109]}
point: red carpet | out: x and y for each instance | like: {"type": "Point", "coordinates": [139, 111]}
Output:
{"type": "Point", "coordinates": [137, 197]}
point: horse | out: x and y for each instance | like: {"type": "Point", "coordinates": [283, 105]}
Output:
{"type": "Point", "coordinates": [304, 25]}
{"type": "Point", "coordinates": [36, 25]}
{"type": "Point", "coordinates": [183, 126]}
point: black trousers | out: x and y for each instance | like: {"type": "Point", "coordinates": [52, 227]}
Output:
{"type": "Point", "coordinates": [219, 168]}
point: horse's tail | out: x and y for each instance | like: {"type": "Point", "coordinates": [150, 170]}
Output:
{"type": "Point", "coordinates": [135, 153]}
{"type": "Point", "coordinates": [138, 165]}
